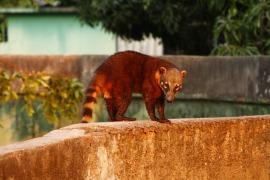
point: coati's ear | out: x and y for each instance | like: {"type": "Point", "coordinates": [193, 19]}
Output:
{"type": "Point", "coordinates": [183, 73]}
{"type": "Point", "coordinates": [162, 70]}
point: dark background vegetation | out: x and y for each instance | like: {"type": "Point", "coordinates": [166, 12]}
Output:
{"type": "Point", "coordinates": [198, 27]}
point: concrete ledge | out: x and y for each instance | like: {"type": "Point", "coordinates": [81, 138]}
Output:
{"type": "Point", "coordinates": [211, 148]}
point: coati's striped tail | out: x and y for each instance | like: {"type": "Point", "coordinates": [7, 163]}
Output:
{"type": "Point", "coordinates": [90, 100]}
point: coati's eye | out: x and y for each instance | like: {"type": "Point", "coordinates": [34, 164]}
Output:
{"type": "Point", "coordinates": [177, 87]}
{"type": "Point", "coordinates": [165, 86]}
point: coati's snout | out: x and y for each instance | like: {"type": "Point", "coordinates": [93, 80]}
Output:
{"type": "Point", "coordinates": [171, 82]}
{"type": "Point", "coordinates": [170, 97]}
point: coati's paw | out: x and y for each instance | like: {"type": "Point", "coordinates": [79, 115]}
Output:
{"type": "Point", "coordinates": [161, 120]}
{"type": "Point", "coordinates": [164, 121]}
{"type": "Point", "coordinates": [124, 119]}
{"type": "Point", "coordinates": [130, 119]}
{"type": "Point", "coordinates": [84, 121]}
{"type": "Point", "coordinates": [154, 118]}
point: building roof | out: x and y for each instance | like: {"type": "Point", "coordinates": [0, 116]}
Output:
{"type": "Point", "coordinates": [45, 10]}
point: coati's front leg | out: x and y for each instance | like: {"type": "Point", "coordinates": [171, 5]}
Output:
{"type": "Point", "coordinates": [161, 107]}
{"type": "Point", "coordinates": [122, 108]}
{"type": "Point", "coordinates": [150, 107]}
{"type": "Point", "coordinates": [150, 104]}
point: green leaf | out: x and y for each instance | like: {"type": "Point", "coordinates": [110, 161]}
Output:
{"type": "Point", "coordinates": [43, 82]}
{"type": "Point", "coordinates": [64, 95]}
{"type": "Point", "coordinates": [5, 75]}
{"type": "Point", "coordinates": [30, 111]}
{"type": "Point", "coordinates": [58, 96]}
{"type": "Point", "coordinates": [14, 95]}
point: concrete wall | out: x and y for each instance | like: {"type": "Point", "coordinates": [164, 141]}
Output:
{"type": "Point", "coordinates": [216, 148]}
{"type": "Point", "coordinates": [215, 86]}
{"type": "Point", "coordinates": [237, 79]}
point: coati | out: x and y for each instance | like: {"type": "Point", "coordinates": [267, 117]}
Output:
{"type": "Point", "coordinates": [130, 72]}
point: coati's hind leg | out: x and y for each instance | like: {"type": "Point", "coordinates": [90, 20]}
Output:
{"type": "Point", "coordinates": [122, 105]}
{"type": "Point", "coordinates": [111, 108]}
{"type": "Point", "coordinates": [122, 102]}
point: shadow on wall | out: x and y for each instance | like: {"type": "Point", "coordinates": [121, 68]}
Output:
{"type": "Point", "coordinates": [18, 126]}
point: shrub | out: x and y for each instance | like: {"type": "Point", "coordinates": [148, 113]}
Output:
{"type": "Point", "coordinates": [58, 97]}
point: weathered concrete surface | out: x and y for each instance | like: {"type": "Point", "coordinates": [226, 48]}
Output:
{"type": "Point", "coordinates": [67, 65]}
{"type": "Point", "coordinates": [213, 148]}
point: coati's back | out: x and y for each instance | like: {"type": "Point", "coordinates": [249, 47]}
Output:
{"type": "Point", "coordinates": [130, 68]}
{"type": "Point", "coordinates": [123, 67]}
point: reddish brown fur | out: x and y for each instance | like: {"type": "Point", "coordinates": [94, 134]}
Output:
{"type": "Point", "coordinates": [121, 75]}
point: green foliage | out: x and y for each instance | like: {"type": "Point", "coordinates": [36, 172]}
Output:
{"type": "Point", "coordinates": [32, 3]}
{"type": "Point", "coordinates": [16, 3]}
{"type": "Point", "coordinates": [59, 97]}
{"type": "Point", "coordinates": [7, 93]}
{"type": "Point", "coordinates": [2, 28]}
{"type": "Point", "coordinates": [219, 27]}
{"type": "Point", "coordinates": [232, 27]}
{"type": "Point", "coordinates": [65, 93]}
{"type": "Point", "coordinates": [243, 28]}
{"type": "Point", "coordinates": [184, 26]}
